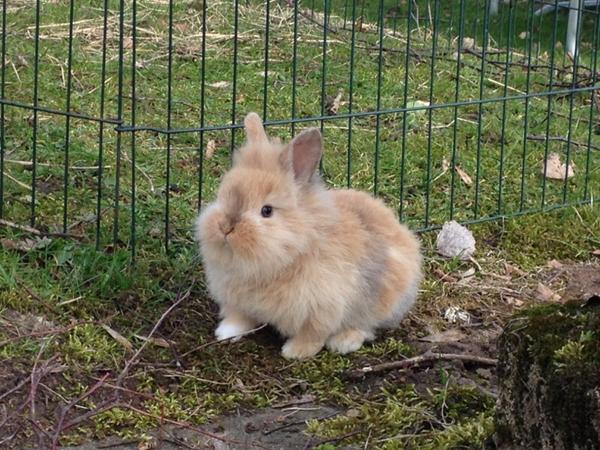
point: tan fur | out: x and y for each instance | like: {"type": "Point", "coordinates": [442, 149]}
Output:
{"type": "Point", "coordinates": [329, 267]}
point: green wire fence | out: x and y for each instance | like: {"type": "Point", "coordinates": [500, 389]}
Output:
{"type": "Point", "coordinates": [118, 118]}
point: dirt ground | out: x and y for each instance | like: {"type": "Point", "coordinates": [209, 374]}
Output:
{"type": "Point", "coordinates": [270, 428]}
{"type": "Point", "coordinates": [284, 424]}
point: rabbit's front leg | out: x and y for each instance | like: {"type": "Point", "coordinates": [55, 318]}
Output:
{"type": "Point", "coordinates": [234, 324]}
{"type": "Point", "coordinates": [307, 342]}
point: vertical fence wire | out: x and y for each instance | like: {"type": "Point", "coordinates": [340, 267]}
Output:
{"type": "Point", "coordinates": [461, 32]}
{"type": "Point", "coordinates": [68, 118]}
{"type": "Point", "coordinates": [294, 66]}
{"type": "Point", "coordinates": [236, 22]}
{"type": "Point", "coordinates": [324, 70]}
{"type": "Point", "coordinates": [551, 74]}
{"type": "Point", "coordinates": [575, 60]}
{"type": "Point", "coordinates": [324, 64]}
{"type": "Point", "coordinates": [436, 18]}
{"type": "Point", "coordinates": [202, 105]}
{"type": "Point", "coordinates": [133, 123]}
{"type": "Point", "coordinates": [529, 32]}
{"type": "Point", "coordinates": [594, 102]}
{"type": "Point", "coordinates": [350, 93]}
{"type": "Point", "coordinates": [36, 67]}
{"type": "Point", "coordinates": [169, 122]}
{"type": "Point", "coordinates": [507, 65]}
{"type": "Point", "coordinates": [482, 69]}
{"type": "Point", "coordinates": [497, 68]}
{"type": "Point", "coordinates": [121, 70]}
{"type": "Point", "coordinates": [101, 125]}
{"type": "Point", "coordinates": [409, 13]}
{"type": "Point", "coordinates": [2, 117]}
{"type": "Point", "coordinates": [266, 56]}
{"type": "Point", "coordinates": [378, 101]}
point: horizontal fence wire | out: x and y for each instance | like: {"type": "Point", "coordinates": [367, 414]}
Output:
{"type": "Point", "coordinates": [117, 122]}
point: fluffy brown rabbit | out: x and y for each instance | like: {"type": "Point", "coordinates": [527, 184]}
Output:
{"type": "Point", "coordinates": [324, 267]}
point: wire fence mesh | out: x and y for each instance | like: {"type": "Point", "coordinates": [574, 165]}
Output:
{"type": "Point", "coordinates": [118, 119]}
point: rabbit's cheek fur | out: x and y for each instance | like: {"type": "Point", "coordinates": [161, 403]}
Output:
{"type": "Point", "coordinates": [244, 239]}
{"type": "Point", "coordinates": [208, 226]}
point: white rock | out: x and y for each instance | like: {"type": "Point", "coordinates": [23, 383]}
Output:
{"type": "Point", "coordinates": [455, 240]}
{"type": "Point", "coordinates": [455, 314]}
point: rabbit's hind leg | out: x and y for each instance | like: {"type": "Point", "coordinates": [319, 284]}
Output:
{"type": "Point", "coordinates": [348, 340]}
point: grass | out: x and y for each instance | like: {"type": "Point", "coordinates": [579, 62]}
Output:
{"type": "Point", "coordinates": [68, 282]}
{"type": "Point", "coordinates": [505, 171]}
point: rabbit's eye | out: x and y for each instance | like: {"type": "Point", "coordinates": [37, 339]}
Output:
{"type": "Point", "coordinates": [266, 211]}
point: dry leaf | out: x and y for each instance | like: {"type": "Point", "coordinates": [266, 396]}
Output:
{"type": "Point", "coordinates": [334, 105]}
{"type": "Point", "coordinates": [452, 335]}
{"type": "Point", "coordinates": [25, 245]}
{"type": "Point", "coordinates": [468, 273]}
{"type": "Point", "coordinates": [596, 252]}
{"type": "Point", "coordinates": [417, 104]}
{"type": "Point", "coordinates": [22, 61]}
{"type": "Point", "coordinates": [513, 301]}
{"type": "Point", "coordinates": [523, 35]}
{"type": "Point", "coordinates": [149, 444]}
{"type": "Point", "coordinates": [546, 294]}
{"type": "Point", "coordinates": [555, 169]}
{"type": "Point", "coordinates": [359, 24]}
{"type": "Point", "coordinates": [182, 27]}
{"type": "Point", "coordinates": [118, 337]}
{"type": "Point", "coordinates": [443, 276]}
{"type": "Point", "coordinates": [468, 43]}
{"type": "Point", "coordinates": [219, 85]}
{"type": "Point", "coordinates": [159, 342]}
{"type": "Point", "coordinates": [210, 148]}
{"type": "Point", "coordinates": [463, 176]}
{"type": "Point", "coordinates": [554, 264]}
{"type": "Point", "coordinates": [511, 270]}
{"type": "Point", "coordinates": [445, 165]}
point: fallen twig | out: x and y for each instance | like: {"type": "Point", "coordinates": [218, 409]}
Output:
{"type": "Point", "coordinates": [532, 137]}
{"type": "Point", "coordinates": [183, 425]}
{"type": "Point", "coordinates": [36, 232]}
{"type": "Point", "coordinates": [420, 360]}
{"type": "Point", "coordinates": [63, 415]}
{"type": "Point", "coordinates": [337, 439]}
{"type": "Point", "coordinates": [298, 422]}
{"type": "Point", "coordinates": [223, 341]}
{"type": "Point", "coordinates": [133, 359]}
{"type": "Point", "coordinates": [50, 332]}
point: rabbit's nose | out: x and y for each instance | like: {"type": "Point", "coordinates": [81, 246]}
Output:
{"type": "Point", "coordinates": [226, 227]}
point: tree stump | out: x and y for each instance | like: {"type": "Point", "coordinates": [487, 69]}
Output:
{"type": "Point", "coordinates": [549, 379]}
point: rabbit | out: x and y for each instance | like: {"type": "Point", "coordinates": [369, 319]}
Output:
{"type": "Point", "coordinates": [324, 267]}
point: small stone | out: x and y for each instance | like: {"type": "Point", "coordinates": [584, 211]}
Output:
{"type": "Point", "coordinates": [455, 240]}
{"type": "Point", "coordinates": [455, 314]}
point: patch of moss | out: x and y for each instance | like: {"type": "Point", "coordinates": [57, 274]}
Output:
{"type": "Point", "coordinates": [399, 418]}
{"type": "Point", "coordinates": [89, 347]}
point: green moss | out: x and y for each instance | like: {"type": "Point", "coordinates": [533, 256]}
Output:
{"type": "Point", "coordinates": [89, 347]}
{"type": "Point", "coordinates": [400, 418]}
{"type": "Point", "coordinates": [74, 282]}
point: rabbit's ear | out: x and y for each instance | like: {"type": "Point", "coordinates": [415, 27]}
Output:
{"type": "Point", "coordinates": [305, 152]}
{"type": "Point", "coordinates": [255, 133]}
